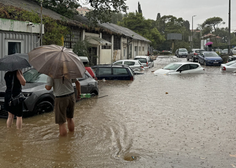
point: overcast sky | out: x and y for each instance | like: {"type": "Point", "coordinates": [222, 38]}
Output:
{"type": "Point", "coordinates": [203, 9]}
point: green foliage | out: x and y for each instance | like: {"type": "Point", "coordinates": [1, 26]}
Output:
{"type": "Point", "coordinates": [139, 8]}
{"type": "Point", "coordinates": [116, 17]}
{"type": "Point", "coordinates": [81, 48]}
{"type": "Point", "coordinates": [102, 9]}
{"type": "Point", "coordinates": [66, 8]}
{"type": "Point", "coordinates": [54, 31]}
{"type": "Point", "coordinates": [212, 22]}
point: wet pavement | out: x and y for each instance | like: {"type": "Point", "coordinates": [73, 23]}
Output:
{"type": "Point", "coordinates": [164, 121]}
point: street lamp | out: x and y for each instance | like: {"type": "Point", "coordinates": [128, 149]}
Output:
{"type": "Point", "coordinates": [192, 30]}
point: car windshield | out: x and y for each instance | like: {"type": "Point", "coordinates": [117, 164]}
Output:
{"type": "Point", "coordinates": [172, 66]}
{"type": "Point", "coordinates": [211, 54]}
{"type": "Point", "coordinates": [230, 63]}
{"type": "Point", "coordinates": [183, 50]}
{"type": "Point", "coordinates": [142, 60]}
{"type": "Point", "coordinates": [33, 76]}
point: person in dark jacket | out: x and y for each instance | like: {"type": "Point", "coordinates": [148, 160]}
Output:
{"type": "Point", "coordinates": [14, 90]}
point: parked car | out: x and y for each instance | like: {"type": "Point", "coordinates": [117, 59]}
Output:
{"type": "Point", "coordinates": [91, 72]}
{"type": "Point", "coordinates": [38, 99]}
{"type": "Point", "coordinates": [193, 55]}
{"type": "Point", "coordinates": [234, 50]}
{"type": "Point", "coordinates": [224, 51]}
{"type": "Point", "coordinates": [228, 67]}
{"type": "Point", "coordinates": [135, 65]}
{"type": "Point", "coordinates": [146, 61]}
{"type": "Point", "coordinates": [231, 58]}
{"type": "Point", "coordinates": [181, 68]}
{"type": "Point", "coordinates": [209, 58]}
{"type": "Point", "coordinates": [181, 52]}
{"type": "Point", "coordinates": [113, 72]}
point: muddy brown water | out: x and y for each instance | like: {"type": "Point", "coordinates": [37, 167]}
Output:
{"type": "Point", "coordinates": [178, 121]}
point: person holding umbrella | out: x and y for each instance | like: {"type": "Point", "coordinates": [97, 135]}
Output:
{"type": "Point", "coordinates": [62, 66]}
{"type": "Point", "coordinates": [14, 80]}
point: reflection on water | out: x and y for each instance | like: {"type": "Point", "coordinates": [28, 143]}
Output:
{"type": "Point", "coordinates": [154, 121]}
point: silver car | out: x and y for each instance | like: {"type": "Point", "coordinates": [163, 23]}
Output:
{"type": "Point", "coordinates": [135, 65]}
{"type": "Point", "coordinates": [146, 61]}
{"type": "Point", "coordinates": [39, 100]}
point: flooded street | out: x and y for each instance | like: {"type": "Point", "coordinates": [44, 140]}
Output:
{"type": "Point", "coordinates": [164, 121]}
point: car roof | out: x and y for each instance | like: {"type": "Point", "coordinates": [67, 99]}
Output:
{"type": "Point", "coordinates": [128, 60]}
{"type": "Point", "coordinates": [185, 63]}
{"type": "Point", "coordinates": [109, 65]}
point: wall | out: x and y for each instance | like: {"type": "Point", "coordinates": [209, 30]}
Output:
{"type": "Point", "coordinates": [17, 31]}
{"type": "Point", "coordinates": [105, 56]}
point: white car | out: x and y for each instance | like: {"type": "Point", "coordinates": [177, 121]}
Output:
{"type": "Point", "coordinates": [146, 61]}
{"type": "Point", "coordinates": [228, 67]}
{"type": "Point", "coordinates": [135, 65]}
{"type": "Point", "coordinates": [233, 50]}
{"type": "Point", "coordinates": [181, 68]}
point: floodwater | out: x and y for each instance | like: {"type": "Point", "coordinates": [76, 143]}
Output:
{"type": "Point", "coordinates": [178, 121]}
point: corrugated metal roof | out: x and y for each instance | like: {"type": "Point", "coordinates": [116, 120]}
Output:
{"type": "Point", "coordinates": [124, 31]}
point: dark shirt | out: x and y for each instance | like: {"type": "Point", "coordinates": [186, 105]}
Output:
{"type": "Point", "coordinates": [17, 86]}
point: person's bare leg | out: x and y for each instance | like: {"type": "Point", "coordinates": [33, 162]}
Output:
{"type": "Point", "coordinates": [62, 129]}
{"type": "Point", "coordinates": [71, 125]}
{"type": "Point", "coordinates": [18, 122]}
{"type": "Point", "coordinates": [10, 119]}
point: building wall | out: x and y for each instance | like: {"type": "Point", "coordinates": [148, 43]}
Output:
{"type": "Point", "coordinates": [105, 56]}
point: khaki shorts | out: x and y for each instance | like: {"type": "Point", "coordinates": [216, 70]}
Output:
{"type": "Point", "coordinates": [64, 108]}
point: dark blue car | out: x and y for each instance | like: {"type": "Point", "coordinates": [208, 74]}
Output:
{"type": "Point", "coordinates": [113, 72]}
{"type": "Point", "coordinates": [209, 58]}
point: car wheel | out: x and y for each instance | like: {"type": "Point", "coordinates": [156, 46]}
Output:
{"type": "Point", "coordinates": [193, 60]}
{"type": "Point", "coordinates": [187, 59]}
{"type": "Point", "coordinates": [43, 107]}
{"type": "Point", "coordinates": [204, 63]}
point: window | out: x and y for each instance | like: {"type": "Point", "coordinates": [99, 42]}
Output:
{"type": "Point", "coordinates": [118, 63]}
{"type": "Point", "coordinates": [143, 48]}
{"type": "Point", "coordinates": [104, 71]}
{"type": "Point", "coordinates": [193, 66]}
{"type": "Point", "coordinates": [129, 63]}
{"type": "Point", "coordinates": [13, 46]}
{"type": "Point", "coordinates": [184, 67]}
{"type": "Point", "coordinates": [120, 71]}
{"type": "Point", "coordinates": [116, 43]}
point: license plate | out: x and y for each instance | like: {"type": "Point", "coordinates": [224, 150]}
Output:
{"type": "Point", "coordinates": [215, 62]}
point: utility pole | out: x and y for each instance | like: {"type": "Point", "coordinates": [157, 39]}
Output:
{"type": "Point", "coordinates": [229, 26]}
{"type": "Point", "coordinates": [41, 26]}
{"type": "Point", "coordinates": [192, 31]}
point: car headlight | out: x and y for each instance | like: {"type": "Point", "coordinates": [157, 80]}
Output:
{"type": "Point", "coordinates": [27, 94]}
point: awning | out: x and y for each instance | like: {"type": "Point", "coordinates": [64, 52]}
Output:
{"type": "Point", "coordinates": [97, 41]}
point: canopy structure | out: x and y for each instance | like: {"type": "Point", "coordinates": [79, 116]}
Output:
{"type": "Point", "coordinates": [97, 41]}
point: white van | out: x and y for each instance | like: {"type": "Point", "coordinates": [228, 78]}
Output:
{"type": "Point", "coordinates": [146, 61]}
{"type": "Point", "coordinates": [84, 59]}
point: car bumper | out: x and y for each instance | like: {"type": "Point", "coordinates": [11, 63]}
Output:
{"type": "Point", "coordinates": [215, 63]}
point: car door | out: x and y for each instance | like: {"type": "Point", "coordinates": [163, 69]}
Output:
{"type": "Point", "coordinates": [131, 64]}
{"type": "Point", "coordinates": [184, 69]}
{"type": "Point", "coordinates": [104, 73]}
{"type": "Point", "coordinates": [120, 73]}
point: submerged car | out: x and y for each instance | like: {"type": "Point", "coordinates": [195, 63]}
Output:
{"type": "Point", "coordinates": [135, 65]}
{"type": "Point", "coordinates": [228, 67]}
{"type": "Point", "coordinates": [181, 52]}
{"type": "Point", "coordinates": [181, 68]}
{"type": "Point", "coordinates": [209, 58]}
{"type": "Point", "coordinates": [146, 61]}
{"type": "Point", "coordinates": [38, 99]}
{"type": "Point", "coordinates": [113, 72]}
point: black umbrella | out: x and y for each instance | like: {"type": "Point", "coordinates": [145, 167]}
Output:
{"type": "Point", "coordinates": [14, 62]}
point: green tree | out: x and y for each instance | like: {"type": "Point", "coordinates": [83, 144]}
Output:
{"type": "Point", "coordinates": [137, 23]}
{"type": "Point", "coordinates": [116, 17]}
{"type": "Point", "coordinates": [139, 8]}
{"type": "Point", "coordinates": [213, 22]}
{"type": "Point", "coordinates": [101, 12]}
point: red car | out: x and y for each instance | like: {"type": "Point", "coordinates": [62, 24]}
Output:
{"type": "Point", "coordinates": [91, 72]}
